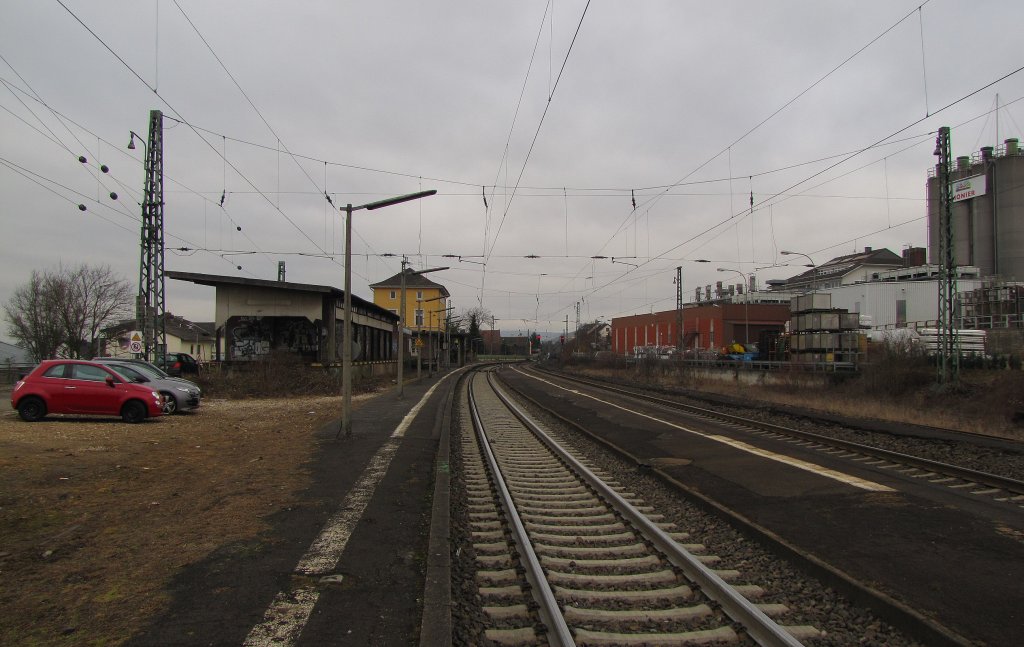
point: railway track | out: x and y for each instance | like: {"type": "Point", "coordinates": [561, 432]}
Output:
{"type": "Point", "coordinates": [565, 557]}
{"type": "Point", "coordinates": [980, 484]}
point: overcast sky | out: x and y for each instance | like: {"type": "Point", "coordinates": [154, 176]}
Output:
{"type": "Point", "coordinates": [560, 115]}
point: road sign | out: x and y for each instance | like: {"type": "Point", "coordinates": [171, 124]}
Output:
{"type": "Point", "coordinates": [419, 343]}
{"type": "Point", "coordinates": [135, 341]}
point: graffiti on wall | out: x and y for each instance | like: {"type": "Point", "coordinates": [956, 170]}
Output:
{"type": "Point", "coordinates": [253, 337]}
{"type": "Point", "coordinates": [357, 346]}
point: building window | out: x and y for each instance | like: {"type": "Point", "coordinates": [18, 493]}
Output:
{"type": "Point", "coordinates": [392, 294]}
{"type": "Point", "coordinates": [419, 318]}
{"type": "Point", "coordinates": [419, 294]}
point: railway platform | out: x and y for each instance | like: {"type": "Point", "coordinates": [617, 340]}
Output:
{"type": "Point", "coordinates": [344, 565]}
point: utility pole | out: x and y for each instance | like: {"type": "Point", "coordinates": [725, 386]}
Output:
{"type": "Point", "coordinates": [401, 329]}
{"type": "Point", "coordinates": [448, 335]}
{"type": "Point", "coordinates": [948, 363]}
{"type": "Point", "coordinates": [151, 304]}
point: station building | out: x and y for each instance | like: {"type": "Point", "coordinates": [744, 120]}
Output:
{"type": "Point", "coordinates": [426, 311]}
{"type": "Point", "coordinates": [254, 317]}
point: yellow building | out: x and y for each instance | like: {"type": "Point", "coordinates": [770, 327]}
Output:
{"type": "Point", "coordinates": [426, 302]}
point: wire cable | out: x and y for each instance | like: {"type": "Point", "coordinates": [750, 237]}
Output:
{"type": "Point", "coordinates": [533, 143]}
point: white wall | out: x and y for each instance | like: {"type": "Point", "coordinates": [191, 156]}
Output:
{"type": "Point", "coordinates": [879, 300]}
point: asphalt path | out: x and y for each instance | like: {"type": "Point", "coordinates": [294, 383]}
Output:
{"type": "Point", "coordinates": [950, 555]}
{"type": "Point", "coordinates": [345, 564]}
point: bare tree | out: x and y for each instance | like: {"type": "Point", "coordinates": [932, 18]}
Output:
{"type": "Point", "coordinates": [475, 318]}
{"type": "Point", "coordinates": [97, 298]}
{"type": "Point", "coordinates": [60, 313]}
{"type": "Point", "coordinates": [34, 317]}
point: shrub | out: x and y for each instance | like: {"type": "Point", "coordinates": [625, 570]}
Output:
{"type": "Point", "coordinates": [281, 373]}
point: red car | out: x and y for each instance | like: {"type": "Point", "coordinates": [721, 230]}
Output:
{"type": "Point", "coordinates": [81, 387]}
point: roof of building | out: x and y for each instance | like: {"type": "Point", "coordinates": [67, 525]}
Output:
{"type": "Point", "coordinates": [14, 354]}
{"type": "Point", "coordinates": [412, 280]}
{"type": "Point", "coordinates": [175, 326]}
{"type": "Point", "coordinates": [216, 280]}
{"type": "Point", "coordinates": [842, 265]}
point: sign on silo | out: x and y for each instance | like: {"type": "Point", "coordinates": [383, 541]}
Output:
{"type": "Point", "coordinates": [968, 187]}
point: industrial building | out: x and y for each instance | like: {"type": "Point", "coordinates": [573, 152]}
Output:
{"type": "Point", "coordinates": [987, 211]}
{"type": "Point", "coordinates": [705, 326]}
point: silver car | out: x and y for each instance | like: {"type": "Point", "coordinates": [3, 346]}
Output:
{"type": "Point", "coordinates": [179, 395]}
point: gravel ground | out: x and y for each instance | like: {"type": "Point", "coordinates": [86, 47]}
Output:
{"type": "Point", "coordinates": [994, 456]}
{"type": "Point", "coordinates": [809, 601]}
{"type": "Point", "coordinates": [966, 453]}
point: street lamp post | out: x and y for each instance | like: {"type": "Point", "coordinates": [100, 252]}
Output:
{"type": "Point", "coordinates": [814, 282]}
{"type": "Point", "coordinates": [430, 336]}
{"type": "Point", "coordinates": [419, 340]}
{"type": "Point", "coordinates": [401, 336]}
{"type": "Point", "coordinates": [346, 351]}
{"type": "Point", "coordinates": [746, 305]}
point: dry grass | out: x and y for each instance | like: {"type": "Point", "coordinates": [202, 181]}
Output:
{"type": "Point", "coordinates": [97, 516]}
{"type": "Point", "coordinates": [987, 402]}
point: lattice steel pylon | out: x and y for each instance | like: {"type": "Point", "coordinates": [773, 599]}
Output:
{"type": "Point", "coordinates": [948, 357]}
{"type": "Point", "coordinates": [679, 308]}
{"type": "Point", "coordinates": [152, 302]}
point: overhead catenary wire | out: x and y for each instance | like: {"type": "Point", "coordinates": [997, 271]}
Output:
{"type": "Point", "coordinates": [771, 116]}
{"type": "Point", "coordinates": [273, 132]}
{"type": "Point", "coordinates": [203, 139]}
{"type": "Point", "coordinates": [505, 243]}
{"type": "Point", "coordinates": [536, 134]}
{"type": "Point", "coordinates": [818, 173]}
{"type": "Point", "coordinates": [127, 189]}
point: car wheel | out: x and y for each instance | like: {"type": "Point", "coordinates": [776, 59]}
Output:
{"type": "Point", "coordinates": [170, 404]}
{"type": "Point", "coordinates": [31, 409]}
{"type": "Point", "coordinates": [133, 411]}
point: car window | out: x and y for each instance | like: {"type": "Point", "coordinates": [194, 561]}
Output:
{"type": "Point", "coordinates": [130, 373]}
{"type": "Point", "coordinates": [153, 368]}
{"type": "Point", "coordinates": [57, 370]}
{"type": "Point", "coordinates": [136, 370]}
{"type": "Point", "coordinates": [88, 372]}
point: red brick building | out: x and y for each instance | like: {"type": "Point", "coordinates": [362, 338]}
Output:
{"type": "Point", "coordinates": [705, 327]}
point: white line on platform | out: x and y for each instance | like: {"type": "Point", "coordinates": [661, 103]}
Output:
{"type": "Point", "coordinates": [794, 462]}
{"type": "Point", "coordinates": [289, 612]}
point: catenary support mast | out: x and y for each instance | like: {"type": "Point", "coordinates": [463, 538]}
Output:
{"type": "Point", "coordinates": [948, 359]}
{"type": "Point", "coordinates": [152, 302]}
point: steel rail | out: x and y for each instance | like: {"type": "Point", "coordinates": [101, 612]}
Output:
{"type": "Point", "coordinates": [762, 629]}
{"type": "Point", "coordinates": [559, 634]}
{"type": "Point", "coordinates": [982, 478]}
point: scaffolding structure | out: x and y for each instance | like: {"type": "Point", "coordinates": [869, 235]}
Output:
{"type": "Point", "coordinates": [994, 306]}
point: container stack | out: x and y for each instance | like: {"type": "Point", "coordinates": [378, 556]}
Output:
{"type": "Point", "coordinates": [970, 342]}
{"type": "Point", "coordinates": [819, 333]}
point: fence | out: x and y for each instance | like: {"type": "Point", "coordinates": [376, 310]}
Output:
{"type": "Point", "coordinates": [11, 372]}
